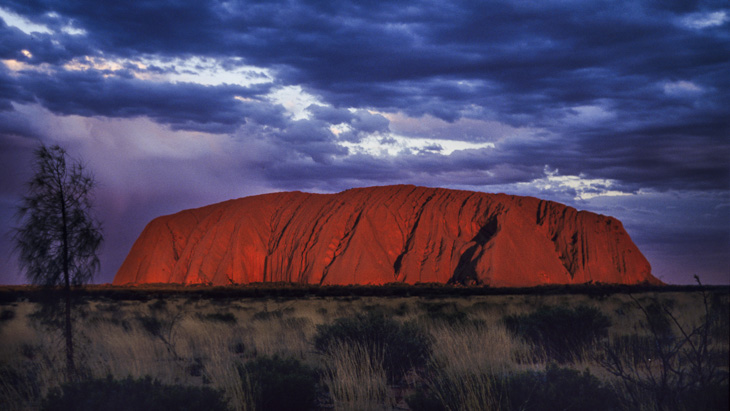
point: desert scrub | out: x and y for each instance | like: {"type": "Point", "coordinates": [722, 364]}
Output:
{"type": "Point", "coordinates": [280, 383]}
{"type": "Point", "coordinates": [563, 333]}
{"type": "Point", "coordinates": [401, 346]}
{"type": "Point", "coordinates": [6, 314]}
{"type": "Point", "coordinates": [443, 312]}
{"type": "Point", "coordinates": [470, 354]}
{"type": "Point", "coordinates": [556, 389]}
{"type": "Point", "coordinates": [221, 317]}
{"type": "Point", "coordinates": [678, 365]}
{"type": "Point", "coordinates": [131, 395]}
{"type": "Point", "coordinates": [551, 389]}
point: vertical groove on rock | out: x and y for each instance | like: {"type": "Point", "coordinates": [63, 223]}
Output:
{"type": "Point", "coordinates": [397, 265]}
{"type": "Point", "coordinates": [343, 242]}
{"type": "Point", "coordinates": [175, 253]}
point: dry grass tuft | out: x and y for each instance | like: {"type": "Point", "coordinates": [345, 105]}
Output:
{"type": "Point", "coordinates": [355, 377]}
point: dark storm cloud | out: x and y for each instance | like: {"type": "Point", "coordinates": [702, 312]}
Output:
{"type": "Point", "coordinates": [422, 167]}
{"type": "Point", "coordinates": [521, 63]}
{"type": "Point", "coordinates": [56, 48]}
{"type": "Point", "coordinates": [182, 105]}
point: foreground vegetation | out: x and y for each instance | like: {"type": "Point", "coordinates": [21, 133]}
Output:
{"type": "Point", "coordinates": [294, 349]}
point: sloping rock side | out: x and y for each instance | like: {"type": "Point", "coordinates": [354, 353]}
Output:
{"type": "Point", "coordinates": [379, 235]}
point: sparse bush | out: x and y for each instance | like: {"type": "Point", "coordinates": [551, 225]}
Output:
{"type": "Point", "coordinates": [281, 383]}
{"type": "Point", "coordinates": [7, 315]}
{"type": "Point", "coordinates": [196, 367]}
{"type": "Point", "coordinates": [163, 328]}
{"type": "Point", "coordinates": [238, 347]}
{"type": "Point", "coordinates": [266, 315]}
{"type": "Point", "coordinates": [553, 389]}
{"type": "Point", "coordinates": [19, 386]}
{"type": "Point", "coordinates": [444, 312]}
{"type": "Point", "coordinates": [152, 325]}
{"type": "Point", "coordinates": [563, 333]}
{"type": "Point", "coordinates": [456, 390]}
{"type": "Point", "coordinates": [424, 400]}
{"type": "Point", "coordinates": [158, 305]}
{"type": "Point", "coordinates": [29, 351]}
{"type": "Point", "coordinates": [633, 348]}
{"type": "Point", "coordinates": [557, 389]}
{"type": "Point", "coordinates": [402, 346]}
{"type": "Point", "coordinates": [131, 395]}
{"type": "Point", "coordinates": [657, 319]}
{"type": "Point", "coordinates": [111, 307]}
{"type": "Point", "coordinates": [674, 367]}
{"type": "Point", "coordinates": [224, 317]}
{"type": "Point", "coordinates": [718, 317]}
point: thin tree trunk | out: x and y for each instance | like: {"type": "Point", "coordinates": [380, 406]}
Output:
{"type": "Point", "coordinates": [69, 335]}
{"type": "Point", "coordinates": [70, 366]}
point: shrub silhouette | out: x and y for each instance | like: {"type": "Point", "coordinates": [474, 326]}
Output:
{"type": "Point", "coordinates": [554, 388]}
{"type": "Point", "coordinates": [563, 333]}
{"type": "Point", "coordinates": [557, 389]}
{"type": "Point", "coordinates": [675, 366]}
{"type": "Point", "coordinates": [7, 315]}
{"type": "Point", "coordinates": [281, 383]}
{"type": "Point", "coordinates": [131, 395]}
{"type": "Point", "coordinates": [402, 346]}
{"type": "Point", "coordinates": [221, 317]}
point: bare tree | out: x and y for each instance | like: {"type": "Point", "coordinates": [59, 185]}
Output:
{"type": "Point", "coordinates": [58, 238]}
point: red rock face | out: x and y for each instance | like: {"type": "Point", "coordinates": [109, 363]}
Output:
{"type": "Point", "coordinates": [382, 235]}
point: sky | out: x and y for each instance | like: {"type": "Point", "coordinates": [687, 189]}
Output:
{"type": "Point", "coordinates": [617, 107]}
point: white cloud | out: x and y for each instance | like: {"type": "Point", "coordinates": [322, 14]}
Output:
{"type": "Point", "coordinates": [199, 70]}
{"type": "Point", "coordinates": [22, 23]}
{"type": "Point", "coordinates": [295, 100]}
{"type": "Point", "coordinates": [15, 66]}
{"type": "Point", "coordinates": [74, 31]}
{"type": "Point", "coordinates": [392, 144]}
{"type": "Point", "coordinates": [682, 88]}
{"type": "Point", "coordinates": [580, 187]}
{"type": "Point", "coordinates": [466, 129]}
{"type": "Point", "coordinates": [94, 63]}
{"type": "Point", "coordinates": [588, 114]}
{"type": "Point", "coordinates": [211, 71]}
{"type": "Point", "coordinates": [28, 27]}
{"type": "Point", "coordinates": [704, 20]}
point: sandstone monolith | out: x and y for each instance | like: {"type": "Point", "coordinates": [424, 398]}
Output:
{"type": "Point", "coordinates": [380, 235]}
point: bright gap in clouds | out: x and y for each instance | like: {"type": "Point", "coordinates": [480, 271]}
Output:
{"type": "Point", "coordinates": [682, 88]}
{"type": "Point", "coordinates": [209, 71]}
{"type": "Point", "coordinates": [28, 27]}
{"type": "Point", "coordinates": [23, 24]}
{"type": "Point", "coordinates": [705, 20]}
{"type": "Point", "coordinates": [199, 70]}
{"type": "Point", "coordinates": [204, 71]}
{"type": "Point", "coordinates": [579, 187]}
{"type": "Point", "coordinates": [392, 145]}
{"type": "Point", "coordinates": [295, 100]}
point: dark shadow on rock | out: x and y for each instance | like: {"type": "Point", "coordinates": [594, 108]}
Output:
{"type": "Point", "coordinates": [465, 272]}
